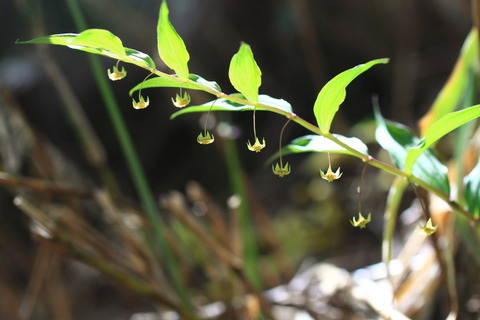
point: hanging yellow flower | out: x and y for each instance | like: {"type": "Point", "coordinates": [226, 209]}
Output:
{"type": "Point", "coordinates": [116, 74]}
{"type": "Point", "coordinates": [181, 101]}
{"type": "Point", "coordinates": [205, 138]}
{"type": "Point", "coordinates": [257, 146]}
{"type": "Point", "coordinates": [330, 175]}
{"type": "Point", "coordinates": [427, 229]}
{"type": "Point", "coordinates": [280, 170]}
{"type": "Point", "coordinates": [141, 104]}
{"type": "Point", "coordinates": [361, 222]}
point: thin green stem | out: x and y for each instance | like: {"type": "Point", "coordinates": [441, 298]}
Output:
{"type": "Point", "coordinates": [360, 187]}
{"type": "Point", "coordinates": [254, 125]}
{"type": "Point", "coordinates": [136, 171]}
{"type": "Point", "coordinates": [206, 118]}
{"type": "Point", "coordinates": [141, 87]}
{"type": "Point", "coordinates": [398, 172]}
{"type": "Point", "coordinates": [280, 142]}
{"type": "Point", "coordinates": [314, 129]}
{"type": "Point", "coordinates": [394, 199]}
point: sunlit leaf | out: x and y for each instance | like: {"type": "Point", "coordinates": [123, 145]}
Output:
{"type": "Point", "coordinates": [99, 38]}
{"type": "Point", "coordinates": [171, 48]}
{"type": "Point", "coordinates": [397, 139]}
{"type": "Point", "coordinates": [334, 92]}
{"type": "Point", "coordinates": [226, 105]}
{"type": "Point", "coordinates": [56, 39]}
{"type": "Point", "coordinates": [452, 93]}
{"type": "Point", "coordinates": [440, 128]}
{"type": "Point", "coordinates": [97, 41]}
{"type": "Point", "coordinates": [279, 104]}
{"type": "Point", "coordinates": [244, 73]}
{"type": "Point", "coordinates": [166, 82]}
{"type": "Point", "coordinates": [92, 40]}
{"type": "Point", "coordinates": [139, 58]}
{"type": "Point", "coordinates": [317, 143]}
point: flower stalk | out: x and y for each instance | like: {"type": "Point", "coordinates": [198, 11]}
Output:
{"type": "Point", "coordinates": [257, 145]}
{"type": "Point", "coordinates": [279, 169]}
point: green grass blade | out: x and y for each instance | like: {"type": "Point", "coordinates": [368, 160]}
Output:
{"type": "Point", "coordinates": [395, 196]}
{"type": "Point", "coordinates": [136, 171]}
{"type": "Point", "coordinates": [239, 188]}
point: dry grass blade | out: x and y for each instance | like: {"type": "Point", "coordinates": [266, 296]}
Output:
{"type": "Point", "coordinates": [42, 186]}
{"type": "Point", "coordinates": [210, 209]}
{"type": "Point", "coordinates": [175, 203]}
{"type": "Point", "coordinates": [128, 225]}
{"type": "Point", "coordinates": [45, 279]}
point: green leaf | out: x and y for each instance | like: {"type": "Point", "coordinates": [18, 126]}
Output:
{"type": "Point", "coordinates": [92, 40]}
{"type": "Point", "coordinates": [397, 139]}
{"type": "Point", "coordinates": [166, 82]}
{"type": "Point", "coordinates": [171, 47]}
{"type": "Point", "coordinates": [317, 143]}
{"type": "Point", "coordinates": [138, 58]}
{"type": "Point", "coordinates": [334, 92]}
{"type": "Point", "coordinates": [227, 105]}
{"type": "Point", "coordinates": [438, 129]}
{"type": "Point", "coordinates": [453, 92]}
{"type": "Point", "coordinates": [472, 190]}
{"type": "Point", "coordinates": [279, 104]}
{"type": "Point", "coordinates": [244, 73]}
{"type": "Point", "coordinates": [101, 39]}
{"type": "Point", "coordinates": [97, 41]}
{"type": "Point", "coordinates": [56, 39]}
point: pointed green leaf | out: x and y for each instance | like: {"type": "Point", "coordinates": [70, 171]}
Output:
{"type": "Point", "coordinates": [165, 82]}
{"type": "Point", "coordinates": [244, 73]}
{"type": "Point", "coordinates": [440, 128]}
{"type": "Point", "coordinates": [334, 92]}
{"type": "Point", "coordinates": [171, 47]}
{"type": "Point", "coordinates": [226, 105]}
{"type": "Point", "coordinates": [92, 40]}
{"type": "Point", "coordinates": [279, 104]}
{"type": "Point", "coordinates": [472, 190]}
{"type": "Point", "coordinates": [97, 41]}
{"type": "Point", "coordinates": [453, 92]}
{"type": "Point", "coordinates": [138, 58]}
{"type": "Point", "coordinates": [56, 39]}
{"type": "Point", "coordinates": [317, 143]}
{"type": "Point", "coordinates": [397, 139]}
{"type": "Point", "coordinates": [101, 39]}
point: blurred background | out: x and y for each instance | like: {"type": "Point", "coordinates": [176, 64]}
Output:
{"type": "Point", "coordinates": [298, 44]}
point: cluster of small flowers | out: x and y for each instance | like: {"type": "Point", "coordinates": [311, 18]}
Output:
{"type": "Point", "coordinates": [182, 100]}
